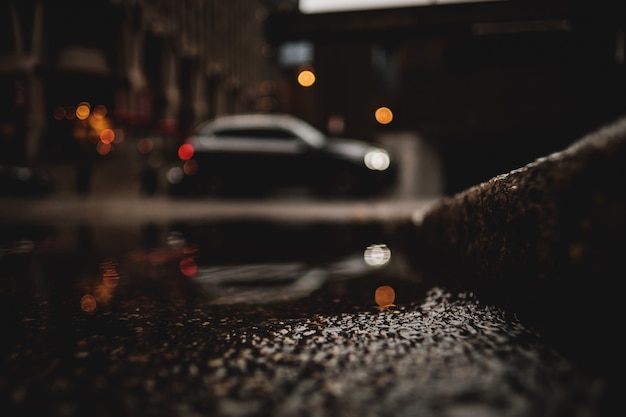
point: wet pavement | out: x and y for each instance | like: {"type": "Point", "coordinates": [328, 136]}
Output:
{"type": "Point", "coordinates": [502, 300]}
{"type": "Point", "coordinates": [154, 307]}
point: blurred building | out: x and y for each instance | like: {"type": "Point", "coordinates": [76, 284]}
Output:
{"type": "Point", "coordinates": [152, 69]}
{"type": "Point", "coordinates": [475, 88]}
{"type": "Point", "coordinates": [486, 85]}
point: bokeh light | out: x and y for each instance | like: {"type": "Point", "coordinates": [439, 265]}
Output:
{"type": "Point", "coordinates": [83, 110]}
{"type": "Point", "coordinates": [306, 78]}
{"type": "Point", "coordinates": [107, 136]}
{"type": "Point", "coordinates": [377, 159]}
{"type": "Point", "coordinates": [174, 175]}
{"type": "Point", "coordinates": [103, 148]}
{"type": "Point", "coordinates": [88, 303]}
{"type": "Point", "coordinates": [188, 267]}
{"type": "Point", "coordinates": [58, 113]}
{"type": "Point", "coordinates": [190, 167]}
{"type": "Point", "coordinates": [185, 151]}
{"type": "Point", "coordinates": [383, 115]}
{"type": "Point", "coordinates": [377, 255]}
{"type": "Point", "coordinates": [100, 111]}
{"type": "Point", "coordinates": [384, 297]}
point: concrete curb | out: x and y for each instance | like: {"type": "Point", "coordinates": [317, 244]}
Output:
{"type": "Point", "coordinates": [545, 241]}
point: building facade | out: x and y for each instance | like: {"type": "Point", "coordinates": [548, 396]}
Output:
{"type": "Point", "coordinates": [153, 68]}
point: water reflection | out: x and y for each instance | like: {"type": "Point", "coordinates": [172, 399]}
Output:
{"type": "Point", "coordinates": [303, 267]}
{"type": "Point", "coordinates": [88, 303]}
{"type": "Point", "coordinates": [377, 255]}
{"type": "Point", "coordinates": [384, 297]}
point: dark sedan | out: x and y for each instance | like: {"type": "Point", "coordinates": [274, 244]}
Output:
{"type": "Point", "coordinates": [256, 154]}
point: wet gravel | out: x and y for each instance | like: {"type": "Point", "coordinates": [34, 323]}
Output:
{"type": "Point", "coordinates": [445, 355]}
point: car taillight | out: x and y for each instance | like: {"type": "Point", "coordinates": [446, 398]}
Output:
{"type": "Point", "coordinates": [185, 152]}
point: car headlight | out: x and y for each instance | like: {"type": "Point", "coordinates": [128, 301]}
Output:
{"type": "Point", "coordinates": [377, 159]}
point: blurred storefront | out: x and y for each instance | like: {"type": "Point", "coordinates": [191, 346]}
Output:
{"type": "Point", "coordinates": [484, 87]}
{"type": "Point", "coordinates": [152, 69]}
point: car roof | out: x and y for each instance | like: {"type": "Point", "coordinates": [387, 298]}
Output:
{"type": "Point", "coordinates": [249, 119]}
{"type": "Point", "coordinates": [245, 120]}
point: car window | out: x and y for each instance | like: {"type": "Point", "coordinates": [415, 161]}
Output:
{"type": "Point", "coordinates": [256, 133]}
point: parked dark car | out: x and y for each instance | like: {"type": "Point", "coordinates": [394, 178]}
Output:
{"type": "Point", "coordinates": [256, 154]}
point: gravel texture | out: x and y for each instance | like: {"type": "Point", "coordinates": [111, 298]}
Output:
{"type": "Point", "coordinates": [448, 355]}
{"type": "Point", "coordinates": [546, 241]}
{"type": "Point", "coordinates": [523, 319]}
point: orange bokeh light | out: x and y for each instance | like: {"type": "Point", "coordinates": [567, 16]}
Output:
{"type": "Point", "coordinates": [100, 111]}
{"type": "Point", "coordinates": [103, 148]}
{"type": "Point", "coordinates": [306, 78]}
{"type": "Point", "coordinates": [107, 136]}
{"type": "Point", "coordinates": [82, 111]}
{"type": "Point", "coordinates": [88, 303]}
{"type": "Point", "coordinates": [384, 297]}
{"type": "Point", "coordinates": [111, 279]}
{"type": "Point", "coordinates": [383, 115]}
{"type": "Point", "coordinates": [59, 113]}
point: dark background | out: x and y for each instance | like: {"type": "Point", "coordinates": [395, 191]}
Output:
{"type": "Point", "coordinates": [489, 85]}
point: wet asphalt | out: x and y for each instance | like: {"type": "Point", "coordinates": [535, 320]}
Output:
{"type": "Point", "coordinates": [161, 347]}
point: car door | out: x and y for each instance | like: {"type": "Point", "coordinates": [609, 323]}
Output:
{"type": "Point", "coordinates": [261, 157]}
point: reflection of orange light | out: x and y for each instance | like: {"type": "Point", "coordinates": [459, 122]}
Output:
{"type": "Point", "coordinates": [383, 115]}
{"type": "Point", "coordinates": [111, 280]}
{"type": "Point", "coordinates": [185, 151]}
{"type": "Point", "coordinates": [103, 294]}
{"type": "Point", "coordinates": [306, 78]}
{"type": "Point", "coordinates": [88, 303]}
{"type": "Point", "coordinates": [384, 297]}
{"type": "Point", "coordinates": [107, 136]}
{"type": "Point", "coordinates": [188, 267]}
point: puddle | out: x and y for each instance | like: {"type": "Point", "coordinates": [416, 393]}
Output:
{"type": "Point", "coordinates": [226, 318]}
{"type": "Point", "coordinates": [232, 267]}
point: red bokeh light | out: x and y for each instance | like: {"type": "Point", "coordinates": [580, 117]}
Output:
{"type": "Point", "coordinates": [188, 267]}
{"type": "Point", "coordinates": [185, 152]}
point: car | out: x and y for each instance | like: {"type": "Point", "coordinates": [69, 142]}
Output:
{"type": "Point", "coordinates": [257, 154]}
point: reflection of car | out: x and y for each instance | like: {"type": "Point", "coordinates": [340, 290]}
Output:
{"type": "Point", "coordinates": [21, 181]}
{"type": "Point", "coordinates": [234, 264]}
{"type": "Point", "coordinates": [259, 153]}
